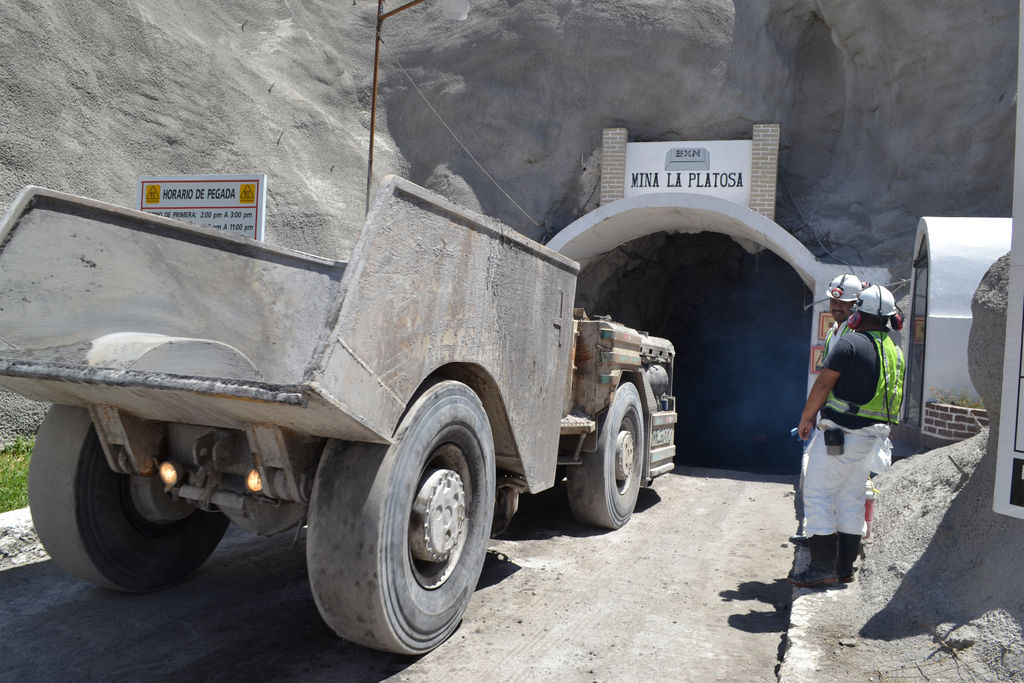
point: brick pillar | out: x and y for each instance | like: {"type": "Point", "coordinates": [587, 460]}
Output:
{"type": "Point", "coordinates": [764, 168]}
{"type": "Point", "coordinates": [613, 164]}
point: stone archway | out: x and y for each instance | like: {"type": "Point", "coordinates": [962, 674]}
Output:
{"type": "Point", "coordinates": [734, 292]}
{"type": "Point", "coordinates": [624, 220]}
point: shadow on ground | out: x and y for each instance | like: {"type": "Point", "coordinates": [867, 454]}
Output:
{"type": "Point", "coordinates": [235, 619]}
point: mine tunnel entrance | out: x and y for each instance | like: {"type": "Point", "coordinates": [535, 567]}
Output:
{"type": "Point", "coordinates": [739, 325]}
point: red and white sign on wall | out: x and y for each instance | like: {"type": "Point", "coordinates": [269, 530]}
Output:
{"type": "Point", "coordinates": [232, 203]}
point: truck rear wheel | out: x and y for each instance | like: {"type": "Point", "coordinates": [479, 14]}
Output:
{"type": "Point", "coordinates": [398, 535]}
{"type": "Point", "coordinates": [603, 488]}
{"type": "Point", "coordinates": [110, 529]}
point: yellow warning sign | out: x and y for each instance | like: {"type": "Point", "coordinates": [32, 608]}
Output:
{"type": "Point", "coordinates": [152, 194]}
{"type": "Point", "coordinates": [247, 194]}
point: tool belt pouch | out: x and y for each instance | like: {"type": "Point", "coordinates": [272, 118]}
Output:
{"type": "Point", "coordinates": [834, 441]}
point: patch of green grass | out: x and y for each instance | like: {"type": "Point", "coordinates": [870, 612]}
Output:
{"type": "Point", "coordinates": [956, 397]}
{"type": "Point", "coordinates": [14, 474]}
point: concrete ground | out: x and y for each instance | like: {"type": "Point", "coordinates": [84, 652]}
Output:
{"type": "Point", "coordinates": [939, 595]}
{"type": "Point", "coordinates": [806, 657]}
{"type": "Point", "coordinates": [691, 589]}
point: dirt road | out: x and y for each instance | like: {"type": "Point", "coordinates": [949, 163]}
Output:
{"type": "Point", "coordinates": [691, 589]}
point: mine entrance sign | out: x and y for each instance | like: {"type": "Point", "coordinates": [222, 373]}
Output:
{"type": "Point", "coordinates": [232, 203]}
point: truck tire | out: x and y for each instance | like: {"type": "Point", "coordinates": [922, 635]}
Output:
{"type": "Point", "coordinates": [112, 530]}
{"type": "Point", "coordinates": [604, 487]}
{"type": "Point", "coordinates": [398, 535]}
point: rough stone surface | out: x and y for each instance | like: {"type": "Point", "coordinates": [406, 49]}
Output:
{"type": "Point", "coordinates": [18, 416]}
{"type": "Point", "coordinates": [988, 332]}
{"type": "Point", "coordinates": [869, 95]}
{"type": "Point", "coordinates": [879, 126]}
{"type": "Point", "coordinates": [19, 543]}
{"type": "Point", "coordinates": [957, 637]}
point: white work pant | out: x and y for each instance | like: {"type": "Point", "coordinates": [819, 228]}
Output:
{"type": "Point", "coordinates": [833, 487]}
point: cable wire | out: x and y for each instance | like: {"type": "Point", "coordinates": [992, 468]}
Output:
{"type": "Point", "coordinates": [456, 137]}
{"type": "Point", "coordinates": [814, 234]}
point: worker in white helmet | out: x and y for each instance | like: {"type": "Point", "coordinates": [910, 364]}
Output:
{"type": "Point", "coordinates": [842, 293]}
{"type": "Point", "coordinates": [859, 392]}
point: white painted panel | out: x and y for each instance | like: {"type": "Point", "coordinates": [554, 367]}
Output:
{"type": "Point", "coordinates": [945, 361]}
{"type": "Point", "coordinates": [1009, 487]}
{"type": "Point", "coordinates": [960, 252]}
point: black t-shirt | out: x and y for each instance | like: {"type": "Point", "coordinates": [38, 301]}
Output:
{"type": "Point", "coordinates": [855, 357]}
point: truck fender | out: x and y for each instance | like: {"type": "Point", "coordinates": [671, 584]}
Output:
{"type": "Point", "coordinates": [506, 449]}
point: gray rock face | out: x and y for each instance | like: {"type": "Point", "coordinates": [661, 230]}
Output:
{"type": "Point", "coordinates": [988, 332]}
{"type": "Point", "coordinates": [879, 122]}
{"type": "Point", "coordinates": [18, 416]}
{"type": "Point", "coordinates": [97, 96]}
{"type": "Point", "coordinates": [889, 111]}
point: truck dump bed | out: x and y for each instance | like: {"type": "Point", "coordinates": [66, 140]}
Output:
{"type": "Point", "coordinates": [101, 305]}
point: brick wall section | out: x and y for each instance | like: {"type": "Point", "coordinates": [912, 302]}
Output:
{"type": "Point", "coordinates": [613, 164]}
{"type": "Point", "coordinates": [953, 423]}
{"type": "Point", "coordinates": [764, 164]}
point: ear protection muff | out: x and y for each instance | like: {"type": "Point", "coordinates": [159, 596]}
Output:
{"type": "Point", "coordinates": [896, 319]}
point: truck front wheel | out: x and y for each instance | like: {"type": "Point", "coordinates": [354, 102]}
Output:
{"type": "Point", "coordinates": [398, 535]}
{"type": "Point", "coordinates": [603, 488]}
{"type": "Point", "coordinates": [112, 530]}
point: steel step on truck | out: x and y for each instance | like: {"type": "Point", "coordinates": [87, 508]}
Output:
{"type": "Point", "coordinates": [395, 405]}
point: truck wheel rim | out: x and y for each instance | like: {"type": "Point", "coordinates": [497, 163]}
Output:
{"type": "Point", "coordinates": [624, 454]}
{"type": "Point", "coordinates": [437, 522]}
{"type": "Point", "coordinates": [148, 504]}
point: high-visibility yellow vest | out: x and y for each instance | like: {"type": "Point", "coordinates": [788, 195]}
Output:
{"type": "Point", "coordinates": [884, 406]}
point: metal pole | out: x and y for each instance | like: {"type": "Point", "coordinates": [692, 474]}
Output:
{"type": "Point", "coordinates": [373, 101]}
{"type": "Point", "coordinates": [381, 16]}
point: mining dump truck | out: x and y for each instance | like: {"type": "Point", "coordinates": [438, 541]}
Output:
{"type": "Point", "coordinates": [395, 405]}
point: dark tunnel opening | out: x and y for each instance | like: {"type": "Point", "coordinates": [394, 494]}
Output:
{"type": "Point", "coordinates": [739, 327]}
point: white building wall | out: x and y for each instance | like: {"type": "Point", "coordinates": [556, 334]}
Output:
{"type": "Point", "coordinates": [960, 251]}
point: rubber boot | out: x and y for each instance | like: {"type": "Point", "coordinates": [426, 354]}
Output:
{"type": "Point", "coordinates": [849, 548]}
{"type": "Point", "coordinates": [822, 569]}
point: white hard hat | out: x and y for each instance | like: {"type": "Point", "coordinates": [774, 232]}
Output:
{"type": "Point", "coordinates": [845, 287]}
{"type": "Point", "coordinates": [877, 300]}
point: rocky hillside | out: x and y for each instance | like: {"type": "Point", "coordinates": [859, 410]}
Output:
{"type": "Point", "coordinates": [889, 111]}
